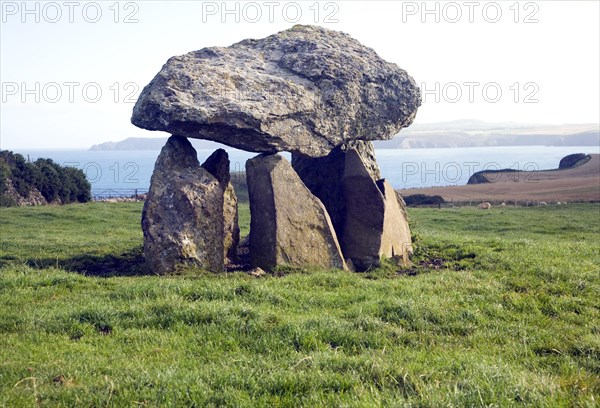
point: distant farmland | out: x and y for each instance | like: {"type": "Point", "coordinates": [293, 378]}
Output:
{"type": "Point", "coordinates": [575, 184]}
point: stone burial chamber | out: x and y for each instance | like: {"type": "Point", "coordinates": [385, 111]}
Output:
{"type": "Point", "coordinates": [314, 92]}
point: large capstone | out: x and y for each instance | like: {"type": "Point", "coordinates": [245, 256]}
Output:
{"type": "Point", "coordinates": [375, 220]}
{"type": "Point", "coordinates": [289, 225]}
{"type": "Point", "coordinates": [305, 90]}
{"type": "Point", "coordinates": [182, 219]}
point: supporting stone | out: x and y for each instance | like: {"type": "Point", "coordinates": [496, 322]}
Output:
{"type": "Point", "coordinates": [289, 225]}
{"type": "Point", "coordinates": [323, 176]}
{"type": "Point", "coordinates": [396, 241]}
{"type": "Point", "coordinates": [218, 165]}
{"type": "Point", "coordinates": [182, 220]}
{"type": "Point", "coordinates": [375, 224]}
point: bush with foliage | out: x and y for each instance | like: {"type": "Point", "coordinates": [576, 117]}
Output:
{"type": "Point", "coordinates": [423, 199]}
{"type": "Point", "coordinates": [55, 182]}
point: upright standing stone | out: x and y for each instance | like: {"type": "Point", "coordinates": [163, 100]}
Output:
{"type": "Point", "coordinates": [182, 220]}
{"type": "Point", "coordinates": [323, 177]}
{"type": "Point", "coordinates": [396, 241]}
{"type": "Point", "coordinates": [375, 223]}
{"type": "Point", "coordinates": [289, 225]}
{"type": "Point", "coordinates": [218, 165]}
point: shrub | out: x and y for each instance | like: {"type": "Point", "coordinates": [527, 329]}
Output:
{"type": "Point", "coordinates": [423, 199]}
{"type": "Point", "coordinates": [53, 181]}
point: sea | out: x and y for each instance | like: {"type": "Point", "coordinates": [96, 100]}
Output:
{"type": "Point", "coordinates": [124, 173]}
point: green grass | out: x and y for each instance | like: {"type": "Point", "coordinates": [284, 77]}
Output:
{"type": "Point", "coordinates": [500, 309]}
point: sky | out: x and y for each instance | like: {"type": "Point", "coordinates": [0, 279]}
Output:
{"type": "Point", "coordinates": [71, 71]}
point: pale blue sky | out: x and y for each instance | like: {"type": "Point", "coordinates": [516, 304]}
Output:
{"type": "Point", "coordinates": [554, 61]}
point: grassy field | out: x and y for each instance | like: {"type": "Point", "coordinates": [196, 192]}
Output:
{"type": "Point", "coordinates": [500, 308]}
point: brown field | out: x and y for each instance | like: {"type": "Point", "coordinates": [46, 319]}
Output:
{"type": "Point", "coordinates": [576, 184]}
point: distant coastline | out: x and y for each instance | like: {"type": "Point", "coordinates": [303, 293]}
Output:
{"type": "Point", "coordinates": [476, 133]}
{"type": "Point", "coordinates": [148, 143]}
{"type": "Point", "coordinates": [460, 133]}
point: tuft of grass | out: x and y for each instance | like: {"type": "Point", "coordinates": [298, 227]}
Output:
{"type": "Point", "coordinates": [499, 308]}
